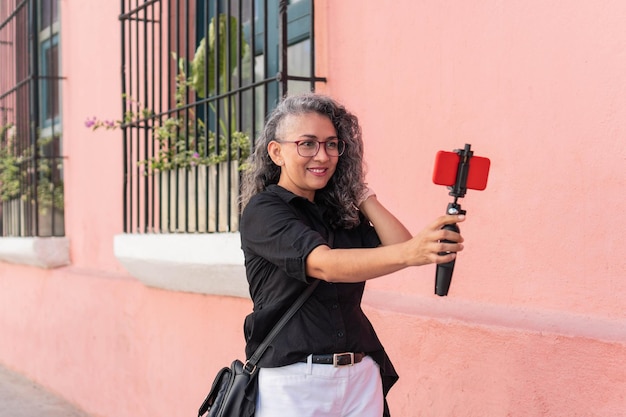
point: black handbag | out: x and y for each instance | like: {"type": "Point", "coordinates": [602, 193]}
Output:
{"type": "Point", "coordinates": [234, 389]}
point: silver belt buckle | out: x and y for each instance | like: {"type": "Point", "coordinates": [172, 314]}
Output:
{"type": "Point", "coordinates": [338, 359]}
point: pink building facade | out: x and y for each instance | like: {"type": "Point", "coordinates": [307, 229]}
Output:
{"type": "Point", "coordinates": [136, 324]}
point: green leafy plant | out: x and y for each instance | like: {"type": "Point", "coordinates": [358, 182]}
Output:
{"type": "Point", "coordinates": [183, 140]}
{"type": "Point", "coordinates": [49, 193]}
{"type": "Point", "coordinates": [182, 147]}
{"type": "Point", "coordinates": [15, 181]}
{"type": "Point", "coordinates": [9, 165]}
{"type": "Point", "coordinates": [198, 62]}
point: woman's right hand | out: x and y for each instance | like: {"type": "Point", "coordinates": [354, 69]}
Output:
{"type": "Point", "coordinates": [426, 247]}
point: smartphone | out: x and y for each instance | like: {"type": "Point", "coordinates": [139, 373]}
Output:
{"type": "Point", "coordinates": [447, 165]}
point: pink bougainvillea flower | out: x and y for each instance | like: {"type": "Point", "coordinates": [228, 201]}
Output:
{"type": "Point", "coordinates": [90, 122]}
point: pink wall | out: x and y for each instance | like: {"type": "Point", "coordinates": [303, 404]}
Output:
{"type": "Point", "coordinates": [534, 324]}
{"type": "Point", "coordinates": [112, 346]}
{"type": "Point", "coordinates": [91, 63]}
{"type": "Point", "coordinates": [537, 87]}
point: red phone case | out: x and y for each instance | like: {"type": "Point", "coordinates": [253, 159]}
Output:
{"type": "Point", "coordinates": [446, 166]}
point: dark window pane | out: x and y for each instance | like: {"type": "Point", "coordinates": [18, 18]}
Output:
{"type": "Point", "coordinates": [51, 82]}
{"type": "Point", "coordinates": [49, 12]}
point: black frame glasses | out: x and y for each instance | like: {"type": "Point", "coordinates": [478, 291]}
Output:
{"type": "Point", "coordinates": [309, 148]}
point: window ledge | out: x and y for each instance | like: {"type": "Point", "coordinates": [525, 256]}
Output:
{"type": "Point", "coordinates": [42, 252]}
{"type": "Point", "coordinates": [209, 263]}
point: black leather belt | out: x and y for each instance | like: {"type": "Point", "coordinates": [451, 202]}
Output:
{"type": "Point", "coordinates": [337, 359]}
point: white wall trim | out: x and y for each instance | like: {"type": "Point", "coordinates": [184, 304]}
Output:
{"type": "Point", "coordinates": [210, 263]}
{"type": "Point", "coordinates": [42, 252]}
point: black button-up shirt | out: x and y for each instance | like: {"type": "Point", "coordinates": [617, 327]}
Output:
{"type": "Point", "coordinates": [278, 231]}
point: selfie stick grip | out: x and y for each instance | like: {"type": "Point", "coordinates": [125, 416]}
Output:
{"type": "Point", "coordinates": [443, 278]}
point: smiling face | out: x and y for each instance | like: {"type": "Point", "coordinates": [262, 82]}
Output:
{"type": "Point", "coordinates": [303, 175]}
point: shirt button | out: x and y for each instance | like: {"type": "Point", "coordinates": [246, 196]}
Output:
{"type": "Point", "coordinates": [340, 334]}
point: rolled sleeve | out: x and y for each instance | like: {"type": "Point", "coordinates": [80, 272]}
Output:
{"type": "Point", "coordinates": [272, 230]}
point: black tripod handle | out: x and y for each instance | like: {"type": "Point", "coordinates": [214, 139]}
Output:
{"type": "Point", "coordinates": [443, 277]}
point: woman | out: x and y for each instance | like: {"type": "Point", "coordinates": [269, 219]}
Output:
{"type": "Point", "coordinates": [308, 215]}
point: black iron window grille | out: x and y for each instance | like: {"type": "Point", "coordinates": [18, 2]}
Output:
{"type": "Point", "coordinates": [199, 78]}
{"type": "Point", "coordinates": [31, 163]}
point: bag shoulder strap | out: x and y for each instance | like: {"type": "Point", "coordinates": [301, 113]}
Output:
{"type": "Point", "coordinates": [250, 365]}
{"type": "Point", "coordinates": [256, 356]}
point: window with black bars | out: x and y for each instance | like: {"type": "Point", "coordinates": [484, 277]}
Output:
{"type": "Point", "coordinates": [199, 78]}
{"type": "Point", "coordinates": [31, 163]}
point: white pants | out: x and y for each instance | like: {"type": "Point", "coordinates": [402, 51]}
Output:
{"type": "Point", "coordinates": [315, 390]}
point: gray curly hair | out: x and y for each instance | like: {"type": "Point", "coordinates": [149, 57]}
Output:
{"type": "Point", "coordinates": [342, 192]}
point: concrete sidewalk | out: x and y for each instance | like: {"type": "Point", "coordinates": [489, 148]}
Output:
{"type": "Point", "coordinates": [20, 397]}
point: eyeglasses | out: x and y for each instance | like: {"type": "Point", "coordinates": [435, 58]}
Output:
{"type": "Point", "coordinates": [308, 148]}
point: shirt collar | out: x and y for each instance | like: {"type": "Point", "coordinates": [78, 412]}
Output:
{"type": "Point", "coordinates": [283, 193]}
{"type": "Point", "coordinates": [290, 197]}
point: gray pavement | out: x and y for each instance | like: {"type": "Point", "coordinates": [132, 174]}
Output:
{"type": "Point", "coordinates": [20, 397]}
